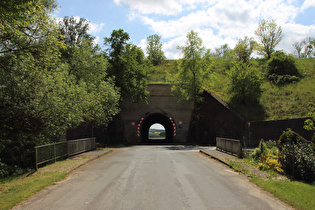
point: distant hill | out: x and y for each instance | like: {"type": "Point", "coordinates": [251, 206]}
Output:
{"type": "Point", "coordinates": [277, 102]}
{"type": "Point", "coordinates": [154, 133]}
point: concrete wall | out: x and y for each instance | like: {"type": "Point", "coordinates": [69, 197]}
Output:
{"type": "Point", "coordinates": [160, 101]}
{"type": "Point", "coordinates": [217, 119]}
{"type": "Point", "coordinates": [272, 130]}
{"type": "Point", "coordinates": [214, 119]}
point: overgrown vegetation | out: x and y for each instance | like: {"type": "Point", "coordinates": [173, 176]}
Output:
{"type": "Point", "coordinates": [54, 77]}
{"type": "Point", "coordinates": [297, 156]}
{"type": "Point", "coordinates": [276, 102]}
{"type": "Point", "coordinates": [291, 155]}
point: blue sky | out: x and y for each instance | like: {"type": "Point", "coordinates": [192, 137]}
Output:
{"type": "Point", "coordinates": [217, 22]}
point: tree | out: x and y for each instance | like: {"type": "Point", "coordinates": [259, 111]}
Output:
{"type": "Point", "coordinates": [245, 84]}
{"type": "Point", "coordinates": [128, 66]}
{"type": "Point", "coordinates": [87, 63]}
{"type": "Point", "coordinates": [154, 49]}
{"type": "Point", "coordinates": [298, 46]}
{"type": "Point", "coordinates": [39, 98]}
{"type": "Point", "coordinates": [305, 48]}
{"type": "Point", "coordinates": [244, 48]}
{"type": "Point", "coordinates": [73, 34]}
{"type": "Point", "coordinates": [223, 51]}
{"type": "Point", "coordinates": [192, 72]}
{"type": "Point", "coordinates": [269, 34]}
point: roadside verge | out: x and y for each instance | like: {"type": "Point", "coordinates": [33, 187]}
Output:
{"type": "Point", "coordinates": [14, 190]}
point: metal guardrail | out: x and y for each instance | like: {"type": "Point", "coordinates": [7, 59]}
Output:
{"type": "Point", "coordinates": [230, 145]}
{"type": "Point", "coordinates": [52, 152]}
{"type": "Point", "coordinates": [81, 145]}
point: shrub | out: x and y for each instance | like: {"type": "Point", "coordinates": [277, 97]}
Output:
{"type": "Point", "coordinates": [245, 84]}
{"type": "Point", "coordinates": [267, 156]}
{"type": "Point", "coordinates": [297, 156]}
{"type": "Point", "coordinates": [282, 69]}
{"type": "Point", "coordinates": [309, 123]}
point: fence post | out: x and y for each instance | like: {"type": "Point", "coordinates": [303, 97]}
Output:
{"type": "Point", "coordinates": [36, 159]}
{"type": "Point", "coordinates": [55, 152]}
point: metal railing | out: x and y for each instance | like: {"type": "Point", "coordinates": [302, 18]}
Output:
{"type": "Point", "coordinates": [52, 152]}
{"type": "Point", "coordinates": [81, 145]}
{"type": "Point", "coordinates": [230, 145]}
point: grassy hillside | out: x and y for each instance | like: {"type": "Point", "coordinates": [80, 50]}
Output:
{"type": "Point", "coordinates": [289, 101]}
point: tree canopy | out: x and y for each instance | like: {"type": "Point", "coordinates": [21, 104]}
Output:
{"type": "Point", "coordinates": [269, 34]}
{"type": "Point", "coordinates": [128, 66]}
{"type": "Point", "coordinates": [154, 49]}
{"type": "Point", "coordinates": [42, 95]}
{"type": "Point", "coordinates": [244, 49]}
{"type": "Point", "coordinates": [193, 69]}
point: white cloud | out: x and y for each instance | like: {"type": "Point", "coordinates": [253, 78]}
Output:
{"type": "Point", "coordinates": [95, 28]}
{"type": "Point", "coordinates": [165, 7]}
{"type": "Point", "coordinates": [219, 22]}
{"type": "Point", "coordinates": [173, 28]}
{"type": "Point", "coordinates": [294, 33]}
{"type": "Point", "coordinates": [307, 4]}
{"type": "Point", "coordinates": [162, 7]}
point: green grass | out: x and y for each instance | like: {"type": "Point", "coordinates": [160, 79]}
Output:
{"type": "Point", "coordinates": [297, 194]}
{"type": "Point", "coordinates": [159, 74]}
{"type": "Point", "coordinates": [289, 101]}
{"type": "Point", "coordinates": [15, 190]}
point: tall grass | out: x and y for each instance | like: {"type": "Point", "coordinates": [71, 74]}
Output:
{"type": "Point", "coordinates": [277, 102]}
{"type": "Point", "coordinates": [297, 194]}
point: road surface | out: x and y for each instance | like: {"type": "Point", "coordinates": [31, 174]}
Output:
{"type": "Point", "coordinates": [154, 177]}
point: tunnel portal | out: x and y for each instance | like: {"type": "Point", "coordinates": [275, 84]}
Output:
{"type": "Point", "coordinates": [164, 120]}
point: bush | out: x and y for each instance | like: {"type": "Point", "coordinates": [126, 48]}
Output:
{"type": "Point", "coordinates": [297, 156]}
{"type": "Point", "coordinates": [309, 124]}
{"type": "Point", "coordinates": [282, 79]}
{"type": "Point", "coordinates": [245, 84]}
{"type": "Point", "coordinates": [267, 156]}
{"type": "Point", "coordinates": [282, 69]}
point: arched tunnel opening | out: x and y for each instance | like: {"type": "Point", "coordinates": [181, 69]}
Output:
{"type": "Point", "coordinates": [154, 119]}
{"type": "Point", "coordinates": [157, 132]}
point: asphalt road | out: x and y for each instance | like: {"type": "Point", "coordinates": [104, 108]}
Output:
{"type": "Point", "coordinates": [154, 177]}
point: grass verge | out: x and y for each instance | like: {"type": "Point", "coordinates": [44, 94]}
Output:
{"type": "Point", "coordinates": [14, 190]}
{"type": "Point", "coordinates": [297, 194]}
{"type": "Point", "coordinates": [18, 189]}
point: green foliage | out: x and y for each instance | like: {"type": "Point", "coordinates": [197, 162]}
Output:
{"type": "Point", "coordinates": [41, 96]}
{"type": "Point", "coordinates": [154, 49]}
{"type": "Point", "coordinates": [297, 156]}
{"type": "Point", "coordinates": [193, 69]}
{"type": "Point", "coordinates": [299, 195]}
{"type": "Point", "coordinates": [282, 69]}
{"type": "Point", "coordinates": [269, 34]}
{"type": "Point", "coordinates": [305, 48]}
{"type": "Point", "coordinates": [224, 51]}
{"type": "Point", "coordinates": [128, 66]}
{"type": "Point", "coordinates": [309, 123]}
{"type": "Point", "coordinates": [289, 101]}
{"type": "Point", "coordinates": [267, 156]}
{"type": "Point", "coordinates": [244, 48]}
{"type": "Point", "coordinates": [245, 84]}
